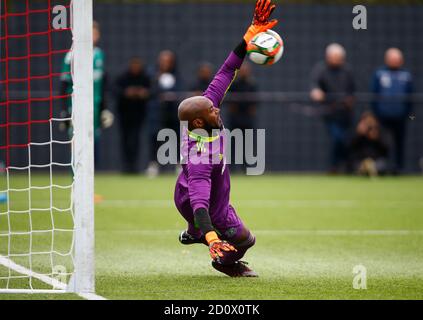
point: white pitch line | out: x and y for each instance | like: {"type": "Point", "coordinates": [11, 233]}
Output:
{"type": "Point", "coordinates": [341, 232]}
{"type": "Point", "coordinates": [288, 232]}
{"type": "Point", "coordinates": [249, 203]}
{"type": "Point", "coordinates": [134, 203]}
{"type": "Point", "coordinates": [59, 287]}
{"type": "Point", "coordinates": [18, 268]}
{"type": "Point", "coordinates": [91, 296]}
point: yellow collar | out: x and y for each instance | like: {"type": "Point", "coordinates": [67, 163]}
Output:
{"type": "Point", "coordinates": [197, 137]}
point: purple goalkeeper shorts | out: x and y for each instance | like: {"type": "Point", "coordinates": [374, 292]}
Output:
{"type": "Point", "coordinates": [231, 228]}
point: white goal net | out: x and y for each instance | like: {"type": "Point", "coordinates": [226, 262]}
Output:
{"type": "Point", "coordinates": [46, 147]}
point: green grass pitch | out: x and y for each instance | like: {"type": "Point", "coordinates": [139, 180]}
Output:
{"type": "Point", "coordinates": [311, 231]}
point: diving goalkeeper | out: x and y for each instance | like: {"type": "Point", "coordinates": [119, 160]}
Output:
{"type": "Point", "coordinates": [203, 187]}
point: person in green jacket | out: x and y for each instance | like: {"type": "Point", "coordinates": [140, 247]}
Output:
{"type": "Point", "coordinates": [103, 118]}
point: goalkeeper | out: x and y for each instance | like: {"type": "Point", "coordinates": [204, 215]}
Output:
{"type": "Point", "coordinates": [202, 189]}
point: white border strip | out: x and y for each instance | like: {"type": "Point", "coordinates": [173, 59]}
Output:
{"type": "Point", "coordinates": [59, 286]}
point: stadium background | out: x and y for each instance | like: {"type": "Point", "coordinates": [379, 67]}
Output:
{"type": "Point", "coordinates": [204, 31]}
{"type": "Point", "coordinates": [311, 229]}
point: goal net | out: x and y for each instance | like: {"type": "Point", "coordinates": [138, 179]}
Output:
{"type": "Point", "coordinates": [46, 150]}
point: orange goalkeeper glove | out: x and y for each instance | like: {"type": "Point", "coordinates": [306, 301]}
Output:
{"type": "Point", "coordinates": [261, 23]}
{"type": "Point", "coordinates": [217, 246]}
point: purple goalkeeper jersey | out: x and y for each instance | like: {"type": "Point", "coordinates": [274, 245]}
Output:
{"type": "Point", "coordinates": [205, 180]}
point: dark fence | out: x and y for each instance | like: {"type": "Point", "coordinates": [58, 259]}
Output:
{"type": "Point", "coordinates": [207, 32]}
{"type": "Point", "coordinates": [296, 138]}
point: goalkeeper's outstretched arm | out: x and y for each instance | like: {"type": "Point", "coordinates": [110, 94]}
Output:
{"type": "Point", "coordinates": [225, 76]}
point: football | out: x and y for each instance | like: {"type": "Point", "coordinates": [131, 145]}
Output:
{"type": "Point", "coordinates": [266, 48]}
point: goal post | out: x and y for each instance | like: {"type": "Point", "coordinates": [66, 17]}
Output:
{"type": "Point", "coordinates": [82, 100]}
{"type": "Point", "coordinates": [46, 172]}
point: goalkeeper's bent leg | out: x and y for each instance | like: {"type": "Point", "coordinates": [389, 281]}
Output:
{"type": "Point", "coordinates": [242, 241]}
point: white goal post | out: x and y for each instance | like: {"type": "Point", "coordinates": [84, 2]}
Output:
{"type": "Point", "coordinates": [83, 152]}
{"type": "Point", "coordinates": [81, 279]}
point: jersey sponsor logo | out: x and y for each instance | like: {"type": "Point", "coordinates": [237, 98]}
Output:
{"type": "Point", "coordinates": [230, 232]}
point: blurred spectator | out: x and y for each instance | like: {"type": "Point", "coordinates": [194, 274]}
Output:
{"type": "Point", "coordinates": [132, 95]}
{"type": "Point", "coordinates": [392, 86]}
{"type": "Point", "coordinates": [103, 118]}
{"type": "Point", "coordinates": [242, 114]}
{"type": "Point", "coordinates": [165, 85]}
{"type": "Point", "coordinates": [204, 77]}
{"type": "Point", "coordinates": [3, 197]}
{"type": "Point", "coordinates": [333, 87]}
{"type": "Point", "coordinates": [368, 153]}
